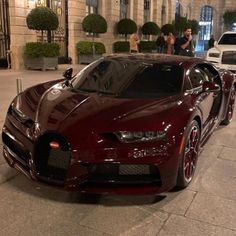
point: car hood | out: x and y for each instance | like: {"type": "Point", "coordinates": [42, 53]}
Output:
{"type": "Point", "coordinates": [60, 108]}
{"type": "Point", "coordinates": [221, 47]}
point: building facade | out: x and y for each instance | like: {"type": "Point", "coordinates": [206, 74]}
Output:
{"type": "Point", "coordinates": [14, 32]}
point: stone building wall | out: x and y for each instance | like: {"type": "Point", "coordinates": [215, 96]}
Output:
{"type": "Point", "coordinates": [161, 12]}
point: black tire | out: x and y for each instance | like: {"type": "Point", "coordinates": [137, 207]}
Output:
{"type": "Point", "coordinates": [189, 156]}
{"type": "Point", "coordinates": [230, 110]}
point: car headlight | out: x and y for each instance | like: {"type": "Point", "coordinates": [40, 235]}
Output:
{"type": "Point", "coordinates": [214, 54]}
{"type": "Point", "coordinates": [17, 112]}
{"type": "Point", "coordinates": [19, 115]}
{"type": "Point", "coordinates": [140, 136]}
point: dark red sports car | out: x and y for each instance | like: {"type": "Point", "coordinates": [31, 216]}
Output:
{"type": "Point", "coordinates": [128, 124]}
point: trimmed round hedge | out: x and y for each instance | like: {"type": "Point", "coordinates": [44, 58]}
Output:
{"type": "Point", "coordinates": [94, 23]}
{"type": "Point", "coordinates": [126, 26]}
{"type": "Point", "coordinates": [39, 49]}
{"type": "Point", "coordinates": [150, 28]}
{"type": "Point", "coordinates": [86, 48]}
{"type": "Point", "coordinates": [121, 46]}
{"type": "Point", "coordinates": [42, 18]}
{"type": "Point", "coordinates": [167, 28]}
{"type": "Point", "coordinates": [147, 46]}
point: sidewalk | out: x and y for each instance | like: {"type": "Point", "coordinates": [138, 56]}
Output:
{"type": "Point", "coordinates": [206, 207]}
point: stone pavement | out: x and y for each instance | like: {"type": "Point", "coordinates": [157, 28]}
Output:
{"type": "Point", "coordinates": [206, 207]}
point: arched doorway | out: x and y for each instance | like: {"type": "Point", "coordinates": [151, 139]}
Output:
{"type": "Point", "coordinates": [4, 34]}
{"type": "Point", "coordinates": [206, 21]}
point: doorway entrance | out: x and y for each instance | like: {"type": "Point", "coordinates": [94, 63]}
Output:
{"type": "Point", "coordinates": [206, 20]}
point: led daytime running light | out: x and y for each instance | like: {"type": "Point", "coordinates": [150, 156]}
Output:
{"type": "Point", "coordinates": [140, 136]}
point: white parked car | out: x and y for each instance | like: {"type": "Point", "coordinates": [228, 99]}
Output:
{"type": "Point", "coordinates": [223, 54]}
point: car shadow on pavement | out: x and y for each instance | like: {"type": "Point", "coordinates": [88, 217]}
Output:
{"type": "Point", "coordinates": [40, 190]}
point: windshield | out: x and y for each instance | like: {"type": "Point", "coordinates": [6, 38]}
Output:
{"type": "Point", "coordinates": [228, 39]}
{"type": "Point", "coordinates": [127, 78]}
{"type": "Point", "coordinates": [105, 76]}
{"type": "Point", "coordinates": [155, 81]}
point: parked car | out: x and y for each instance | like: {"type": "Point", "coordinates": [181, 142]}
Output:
{"type": "Point", "coordinates": [125, 124]}
{"type": "Point", "coordinates": [223, 54]}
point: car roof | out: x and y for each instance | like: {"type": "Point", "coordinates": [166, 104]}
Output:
{"type": "Point", "coordinates": [156, 58]}
{"type": "Point", "coordinates": [229, 32]}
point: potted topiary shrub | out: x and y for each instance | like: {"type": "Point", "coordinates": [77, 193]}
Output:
{"type": "Point", "coordinates": [180, 24]}
{"type": "Point", "coordinates": [229, 19]}
{"type": "Point", "coordinates": [42, 55]}
{"type": "Point", "coordinates": [167, 28]}
{"type": "Point", "coordinates": [194, 25]}
{"type": "Point", "coordinates": [89, 51]}
{"type": "Point", "coordinates": [149, 28]}
{"type": "Point", "coordinates": [147, 46]}
{"type": "Point", "coordinates": [124, 27]}
{"type": "Point", "coordinates": [121, 46]}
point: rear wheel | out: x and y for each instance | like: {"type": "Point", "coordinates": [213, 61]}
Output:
{"type": "Point", "coordinates": [230, 110]}
{"type": "Point", "coordinates": [188, 161]}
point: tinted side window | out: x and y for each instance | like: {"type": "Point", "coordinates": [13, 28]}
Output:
{"type": "Point", "coordinates": [197, 77]}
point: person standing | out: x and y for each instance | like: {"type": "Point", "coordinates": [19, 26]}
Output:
{"type": "Point", "coordinates": [133, 43]}
{"type": "Point", "coordinates": [160, 42]}
{"type": "Point", "coordinates": [170, 43]}
{"type": "Point", "coordinates": [185, 44]}
{"type": "Point", "coordinates": [211, 42]}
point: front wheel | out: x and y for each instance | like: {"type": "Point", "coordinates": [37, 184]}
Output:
{"type": "Point", "coordinates": [188, 160]}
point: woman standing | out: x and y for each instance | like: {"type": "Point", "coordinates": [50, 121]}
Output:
{"type": "Point", "coordinates": [133, 43]}
{"type": "Point", "coordinates": [170, 43]}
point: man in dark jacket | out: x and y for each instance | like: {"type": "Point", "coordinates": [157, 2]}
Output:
{"type": "Point", "coordinates": [185, 44]}
{"type": "Point", "coordinates": [160, 42]}
{"type": "Point", "coordinates": [211, 42]}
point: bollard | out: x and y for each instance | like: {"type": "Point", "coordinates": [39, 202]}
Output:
{"type": "Point", "coordinates": [9, 59]}
{"type": "Point", "coordinates": [18, 85]}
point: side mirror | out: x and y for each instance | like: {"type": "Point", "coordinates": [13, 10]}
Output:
{"type": "Point", "coordinates": [68, 74]}
{"type": "Point", "coordinates": [210, 87]}
{"type": "Point", "coordinates": [215, 43]}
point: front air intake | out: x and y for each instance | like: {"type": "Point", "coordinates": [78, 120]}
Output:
{"type": "Point", "coordinates": [125, 174]}
{"type": "Point", "coordinates": [52, 157]}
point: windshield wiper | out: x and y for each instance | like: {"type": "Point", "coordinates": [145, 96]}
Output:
{"type": "Point", "coordinates": [98, 92]}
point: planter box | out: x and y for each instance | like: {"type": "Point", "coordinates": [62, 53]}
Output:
{"type": "Point", "coordinates": [86, 59]}
{"type": "Point", "coordinates": [41, 63]}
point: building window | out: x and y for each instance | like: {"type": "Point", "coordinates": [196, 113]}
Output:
{"type": "Point", "coordinates": [177, 10]}
{"type": "Point", "coordinates": [146, 12]}
{"type": "Point", "coordinates": [205, 23]}
{"type": "Point", "coordinates": [39, 3]}
{"type": "Point", "coordinates": [124, 9]}
{"type": "Point", "coordinates": [91, 7]}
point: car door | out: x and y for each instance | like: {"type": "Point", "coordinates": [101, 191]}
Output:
{"type": "Point", "coordinates": [204, 100]}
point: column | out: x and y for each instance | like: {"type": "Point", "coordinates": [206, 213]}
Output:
{"type": "Point", "coordinates": [20, 34]}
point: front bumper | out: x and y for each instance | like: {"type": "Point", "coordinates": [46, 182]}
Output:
{"type": "Point", "coordinates": [118, 176]}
